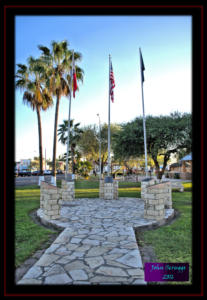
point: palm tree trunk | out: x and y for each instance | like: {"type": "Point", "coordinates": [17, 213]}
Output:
{"type": "Point", "coordinates": [72, 158]}
{"type": "Point", "coordinates": [53, 180]}
{"type": "Point", "coordinates": [40, 143]}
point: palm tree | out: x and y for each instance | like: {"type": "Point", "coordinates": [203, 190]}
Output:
{"type": "Point", "coordinates": [75, 135]}
{"type": "Point", "coordinates": [31, 79]}
{"type": "Point", "coordinates": [59, 63]}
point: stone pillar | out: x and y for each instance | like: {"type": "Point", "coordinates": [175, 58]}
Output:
{"type": "Point", "coordinates": [115, 188]}
{"type": "Point", "coordinates": [67, 191]}
{"type": "Point", "coordinates": [49, 198]}
{"type": "Point", "coordinates": [108, 190]}
{"type": "Point", "coordinates": [101, 189]}
{"type": "Point", "coordinates": [144, 184]}
{"type": "Point", "coordinates": [154, 202]}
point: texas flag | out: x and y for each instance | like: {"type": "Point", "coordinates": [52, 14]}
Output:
{"type": "Point", "coordinates": [75, 86]}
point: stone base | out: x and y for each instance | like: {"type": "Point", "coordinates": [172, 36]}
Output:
{"type": "Point", "coordinates": [157, 197]}
{"type": "Point", "coordinates": [157, 215]}
{"type": "Point", "coordinates": [108, 191]}
{"type": "Point", "coordinates": [49, 197]}
{"type": "Point", "coordinates": [67, 191]}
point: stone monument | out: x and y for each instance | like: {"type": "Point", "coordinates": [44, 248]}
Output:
{"type": "Point", "coordinates": [108, 188]}
{"type": "Point", "coordinates": [157, 196]}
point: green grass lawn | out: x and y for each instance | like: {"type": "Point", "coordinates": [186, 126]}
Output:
{"type": "Point", "coordinates": [28, 236]}
{"type": "Point", "coordinates": [172, 243]}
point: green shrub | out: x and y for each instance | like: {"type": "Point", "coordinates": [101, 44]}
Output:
{"type": "Point", "coordinates": [176, 176]}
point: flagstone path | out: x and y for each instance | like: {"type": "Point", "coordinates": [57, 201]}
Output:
{"type": "Point", "coordinates": [97, 246]}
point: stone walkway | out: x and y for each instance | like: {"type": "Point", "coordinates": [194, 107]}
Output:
{"type": "Point", "coordinates": [97, 246]}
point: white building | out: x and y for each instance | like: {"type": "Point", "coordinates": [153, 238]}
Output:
{"type": "Point", "coordinates": [24, 164]}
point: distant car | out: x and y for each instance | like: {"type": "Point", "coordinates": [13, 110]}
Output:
{"type": "Point", "coordinates": [47, 172]}
{"type": "Point", "coordinates": [59, 172]}
{"type": "Point", "coordinates": [24, 173]}
{"type": "Point", "coordinates": [36, 173]}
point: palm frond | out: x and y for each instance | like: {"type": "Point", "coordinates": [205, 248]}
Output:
{"type": "Point", "coordinates": [79, 74]}
{"type": "Point", "coordinates": [21, 83]}
{"type": "Point", "coordinates": [47, 102]}
{"type": "Point", "coordinates": [22, 68]}
{"type": "Point", "coordinates": [31, 86]}
{"type": "Point", "coordinates": [31, 61]}
{"type": "Point", "coordinates": [77, 56]}
{"type": "Point", "coordinates": [38, 96]}
{"type": "Point", "coordinates": [68, 55]}
{"type": "Point", "coordinates": [64, 45]}
{"type": "Point", "coordinates": [65, 90]}
{"type": "Point", "coordinates": [45, 50]}
{"type": "Point", "coordinates": [28, 98]}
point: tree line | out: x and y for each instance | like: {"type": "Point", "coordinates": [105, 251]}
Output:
{"type": "Point", "coordinates": [166, 135]}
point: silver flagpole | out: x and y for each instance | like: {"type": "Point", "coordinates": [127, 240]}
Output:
{"type": "Point", "coordinates": [68, 138]}
{"type": "Point", "coordinates": [99, 146]}
{"type": "Point", "coordinates": [109, 161]}
{"type": "Point", "coordinates": [144, 127]}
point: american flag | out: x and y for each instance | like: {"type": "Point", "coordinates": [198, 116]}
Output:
{"type": "Point", "coordinates": [75, 86]}
{"type": "Point", "coordinates": [112, 83]}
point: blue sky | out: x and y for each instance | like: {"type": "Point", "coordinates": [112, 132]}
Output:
{"type": "Point", "coordinates": [166, 48]}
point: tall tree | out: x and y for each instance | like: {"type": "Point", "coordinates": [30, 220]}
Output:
{"type": "Point", "coordinates": [166, 135]}
{"type": "Point", "coordinates": [89, 143]}
{"type": "Point", "coordinates": [31, 79]}
{"type": "Point", "coordinates": [59, 64]}
{"type": "Point", "coordinates": [75, 135]}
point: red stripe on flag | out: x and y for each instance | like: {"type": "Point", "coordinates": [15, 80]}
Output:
{"type": "Point", "coordinates": [112, 83]}
{"type": "Point", "coordinates": [75, 86]}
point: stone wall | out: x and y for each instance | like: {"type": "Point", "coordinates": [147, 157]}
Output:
{"type": "Point", "coordinates": [157, 197]}
{"type": "Point", "coordinates": [144, 184]}
{"type": "Point", "coordinates": [182, 175]}
{"type": "Point", "coordinates": [49, 197]}
{"type": "Point", "coordinates": [108, 191]}
{"type": "Point", "coordinates": [131, 178]}
{"type": "Point", "coordinates": [67, 191]}
{"type": "Point", "coordinates": [101, 189]}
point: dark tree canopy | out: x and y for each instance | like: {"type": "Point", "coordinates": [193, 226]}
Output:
{"type": "Point", "coordinates": [165, 135]}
